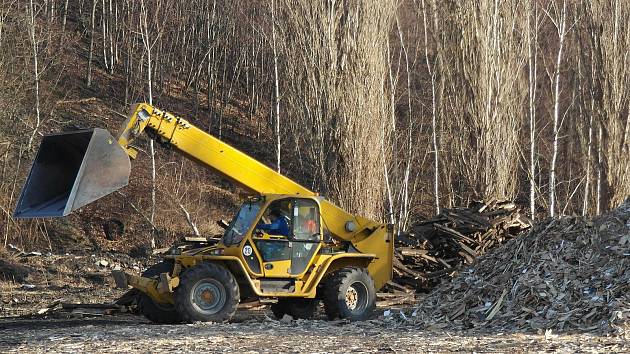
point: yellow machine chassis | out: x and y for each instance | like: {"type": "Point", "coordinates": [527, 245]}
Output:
{"type": "Point", "coordinates": [306, 282]}
{"type": "Point", "coordinates": [161, 290]}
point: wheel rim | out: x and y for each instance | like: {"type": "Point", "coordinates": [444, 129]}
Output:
{"type": "Point", "coordinates": [356, 297]}
{"type": "Point", "coordinates": [208, 296]}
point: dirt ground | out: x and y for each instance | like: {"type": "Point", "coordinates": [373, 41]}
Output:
{"type": "Point", "coordinates": [260, 334]}
{"type": "Point", "coordinates": [41, 281]}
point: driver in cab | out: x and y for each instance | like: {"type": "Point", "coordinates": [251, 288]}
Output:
{"type": "Point", "coordinates": [278, 226]}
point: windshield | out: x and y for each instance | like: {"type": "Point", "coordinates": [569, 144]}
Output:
{"type": "Point", "coordinates": [241, 222]}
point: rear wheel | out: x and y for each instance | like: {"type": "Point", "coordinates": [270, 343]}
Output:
{"type": "Point", "coordinates": [157, 312]}
{"type": "Point", "coordinates": [296, 308]}
{"type": "Point", "coordinates": [349, 293]}
{"type": "Point", "coordinates": [207, 292]}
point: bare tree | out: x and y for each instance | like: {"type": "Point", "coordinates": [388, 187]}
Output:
{"type": "Point", "coordinates": [211, 37]}
{"type": "Point", "coordinates": [111, 29]}
{"type": "Point", "coordinates": [532, 57]}
{"type": "Point", "coordinates": [484, 56]}
{"type": "Point", "coordinates": [91, 53]}
{"type": "Point", "coordinates": [559, 20]}
{"type": "Point", "coordinates": [104, 33]}
{"type": "Point", "coordinates": [65, 17]}
{"type": "Point", "coordinates": [4, 12]}
{"type": "Point", "coordinates": [32, 30]}
{"type": "Point", "coordinates": [586, 108]}
{"type": "Point", "coordinates": [335, 76]}
{"type": "Point", "coordinates": [149, 42]}
{"type": "Point", "coordinates": [600, 168]}
{"type": "Point", "coordinates": [276, 102]}
{"type": "Point", "coordinates": [434, 122]}
{"type": "Point", "coordinates": [611, 35]}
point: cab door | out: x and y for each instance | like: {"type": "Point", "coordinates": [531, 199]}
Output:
{"type": "Point", "coordinates": [286, 256]}
{"type": "Point", "coordinates": [306, 234]}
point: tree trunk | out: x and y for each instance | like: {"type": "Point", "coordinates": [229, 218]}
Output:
{"type": "Point", "coordinates": [65, 16]}
{"type": "Point", "coordinates": [276, 85]}
{"type": "Point", "coordinates": [434, 122]}
{"type": "Point", "coordinates": [36, 72]}
{"type": "Point", "coordinates": [90, 56]}
{"type": "Point", "coordinates": [104, 34]}
{"type": "Point", "coordinates": [111, 38]}
{"type": "Point", "coordinates": [147, 47]}
{"type": "Point", "coordinates": [600, 163]}
{"type": "Point", "coordinates": [587, 184]}
{"type": "Point", "coordinates": [532, 51]}
{"type": "Point", "coordinates": [561, 27]}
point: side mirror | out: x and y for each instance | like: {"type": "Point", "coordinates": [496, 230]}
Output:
{"type": "Point", "coordinates": [223, 224]}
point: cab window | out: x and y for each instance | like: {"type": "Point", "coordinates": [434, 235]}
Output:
{"type": "Point", "coordinates": [276, 218]}
{"type": "Point", "coordinates": [305, 220]}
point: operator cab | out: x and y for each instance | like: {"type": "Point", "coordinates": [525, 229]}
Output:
{"type": "Point", "coordinates": [285, 234]}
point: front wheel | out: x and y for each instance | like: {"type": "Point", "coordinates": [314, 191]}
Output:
{"type": "Point", "coordinates": [349, 293]}
{"type": "Point", "coordinates": [207, 292]}
{"type": "Point", "coordinates": [157, 312]}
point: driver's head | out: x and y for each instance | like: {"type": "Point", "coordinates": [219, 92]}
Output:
{"type": "Point", "coordinates": [274, 214]}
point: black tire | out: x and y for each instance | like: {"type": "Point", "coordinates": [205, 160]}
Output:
{"type": "Point", "coordinates": [207, 292]}
{"type": "Point", "coordinates": [158, 313]}
{"type": "Point", "coordinates": [349, 293]}
{"type": "Point", "coordinates": [296, 308]}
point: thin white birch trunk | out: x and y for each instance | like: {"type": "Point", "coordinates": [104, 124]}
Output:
{"type": "Point", "coordinates": [36, 72]}
{"type": "Point", "coordinates": [561, 27]}
{"type": "Point", "coordinates": [147, 46]}
{"type": "Point", "coordinates": [589, 149]}
{"type": "Point", "coordinates": [404, 208]}
{"type": "Point", "coordinates": [276, 84]}
{"type": "Point", "coordinates": [111, 39]}
{"type": "Point", "coordinates": [104, 34]}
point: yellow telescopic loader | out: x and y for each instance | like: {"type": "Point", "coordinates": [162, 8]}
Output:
{"type": "Point", "coordinates": [324, 253]}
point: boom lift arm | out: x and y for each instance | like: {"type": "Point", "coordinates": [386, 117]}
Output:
{"type": "Point", "coordinates": [233, 164]}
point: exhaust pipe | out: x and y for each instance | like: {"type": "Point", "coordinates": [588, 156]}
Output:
{"type": "Point", "coordinates": [71, 170]}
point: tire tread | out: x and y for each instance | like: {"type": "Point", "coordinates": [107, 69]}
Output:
{"type": "Point", "coordinates": [190, 276]}
{"type": "Point", "coordinates": [334, 299]}
{"type": "Point", "coordinates": [147, 306]}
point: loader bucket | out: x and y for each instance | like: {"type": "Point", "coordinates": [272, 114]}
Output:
{"type": "Point", "coordinates": [71, 170]}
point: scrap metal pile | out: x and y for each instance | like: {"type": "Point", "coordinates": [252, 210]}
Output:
{"type": "Point", "coordinates": [437, 248]}
{"type": "Point", "coordinates": [571, 273]}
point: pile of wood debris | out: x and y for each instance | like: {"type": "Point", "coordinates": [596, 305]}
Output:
{"type": "Point", "coordinates": [571, 273]}
{"type": "Point", "coordinates": [437, 248]}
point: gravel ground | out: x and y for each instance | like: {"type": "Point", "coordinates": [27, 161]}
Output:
{"type": "Point", "coordinates": [81, 280]}
{"type": "Point", "coordinates": [260, 334]}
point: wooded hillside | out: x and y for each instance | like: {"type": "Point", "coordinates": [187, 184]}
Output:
{"type": "Point", "coordinates": [393, 109]}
